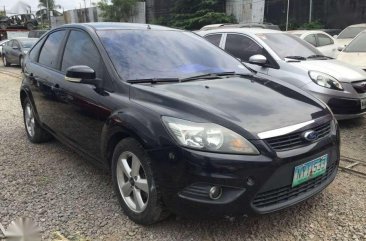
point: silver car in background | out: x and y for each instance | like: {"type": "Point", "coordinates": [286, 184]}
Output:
{"type": "Point", "coordinates": [291, 59]}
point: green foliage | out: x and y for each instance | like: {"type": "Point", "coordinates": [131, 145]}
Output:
{"type": "Point", "coordinates": [312, 25]}
{"type": "Point", "coordinates": [117, 10]}
{"type": "Point", "coordinates": [51, 4]}
{"type": "Point", "coordinates": [194, 14]}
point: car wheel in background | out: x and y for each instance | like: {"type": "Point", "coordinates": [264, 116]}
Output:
{"type": "Point", "coordinates": [134, 183]}
{"type": "Point", "coordinates": [35, 132]}
{"type": "Point", "coordinates": [5, 61]}
{"type": "Point", "coordinates": [3, 26]}
{"type": "Point", "coordinates": [30, 26]}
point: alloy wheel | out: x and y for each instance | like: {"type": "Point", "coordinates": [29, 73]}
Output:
{"type": "Point", "coordinates": [132, 182]}
{"type": "Point", "coordinates": [29, 119]}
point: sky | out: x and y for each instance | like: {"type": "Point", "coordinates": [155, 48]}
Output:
{"type": "Point", "coordinates": [66, 4]}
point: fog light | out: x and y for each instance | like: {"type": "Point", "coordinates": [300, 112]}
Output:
{"type": "Point", "coordinates": [215, 192]}
{"type": "Point", "coordinates": [250, 181]}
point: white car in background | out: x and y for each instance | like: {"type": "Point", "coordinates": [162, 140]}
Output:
{"type": "Point", "coordinates": [355, 52]}
{"type": "Point", "coordinates": [349, 33]}
{"type": "Point", "coordinates": [325, 43]}
{"type": "Point", "coordinates": [1, 46]}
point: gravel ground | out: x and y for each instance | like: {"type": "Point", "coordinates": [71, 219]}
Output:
{"type": "Point", "coordinates": [63, 193]}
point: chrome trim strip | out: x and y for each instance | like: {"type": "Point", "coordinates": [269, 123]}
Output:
{"type": "Point", "coordinates": [284, 130]}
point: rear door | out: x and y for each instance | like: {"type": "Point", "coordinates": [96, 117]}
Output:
{"type": "Point", "coordinates": [43, 72]}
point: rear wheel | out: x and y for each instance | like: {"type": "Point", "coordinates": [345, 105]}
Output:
{"type": "Point", "coordinates": [34, 131]}
{"type": "Point", "coordinates": [30, 26]}
{"type": "Point", "coordinates": [3, 26]}
{"type": "Point", "coordinates": [134, 183]}
{"type": "Point", "coordinates": [5, 61]}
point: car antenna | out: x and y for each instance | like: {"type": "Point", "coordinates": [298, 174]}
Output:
{"type": "Point", "coordinates": [148, 26]}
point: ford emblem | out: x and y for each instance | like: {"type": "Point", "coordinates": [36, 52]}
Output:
{"type": "Point", "coordinates": [310, 136]}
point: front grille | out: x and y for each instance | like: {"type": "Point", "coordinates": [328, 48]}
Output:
{"type": "Point", "coordinates": [295, 140]}
{"type": "Point", "coordinates": [287, 193]}
{"type": "Point", "coordinates": [360, 86]}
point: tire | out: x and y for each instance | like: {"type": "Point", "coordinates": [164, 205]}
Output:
{"type": "Point", "coordinates": [35, 132]}
{"type": "Point", "coordinates": [30, 26]}
{"type": "Point", "coordinates": [150, 209]}
{"type": "Point", "coordinates": [5, 61]}
{"type": "Point", "coordinates": [3, 26]}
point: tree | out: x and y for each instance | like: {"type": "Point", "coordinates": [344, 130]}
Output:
{"type": "Point", "coordinates": [194, 14]}
{"type": "Point", "coordinates": [51, 4]}
{"type": "Point", "coordinates": [117, 10]}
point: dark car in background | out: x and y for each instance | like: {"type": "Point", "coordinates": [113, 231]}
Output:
{"type": "Point", "coordinates": [15, 50]}
{"type": "Point", "coordinates": [27, 21]}
{"type": "Point", "coordinates": [183, 126]}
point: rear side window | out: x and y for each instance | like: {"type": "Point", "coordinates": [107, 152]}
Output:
{"type": "Point", "coordinates": [324, 40]}
{"type": "Point", "coordinates": [33, 55]}
{"type": "Point", "coordinates": [81, 50]}
{"type": "Point", "coordinates": [214, 39]}
{"type": "Point", "coordinates": [48, 55]}
{"type": "Point", "coordinates": [311, 39]}
{"type": "Point", "coordinates": [242, 47]}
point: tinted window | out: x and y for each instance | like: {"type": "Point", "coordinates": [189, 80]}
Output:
{"type": "Point", "coordinates": [48, 55]}
{"type": "Point", "coordinates": [10, 43]}
{"type": "Point", "coordinates": [285, 45]}
{"type": "Point", "coordinates": [141, 54]}
{"type": "Point", "coordinates": [350, 32]}
{"type": "Point", "coordinates": [214, 39]}
{"type": "Point", "coordinates": [311, 39]}
{"type": "Point", "coordinates": [324, 40]}
{"type": "Point", "coordinates": [242, 47]}
{"type": "Point", "coordinates": [358, 44]}
{"type": "Point", "coordinates": [33, 55]}
{"type": "Point", "coordinates": [80, 50]}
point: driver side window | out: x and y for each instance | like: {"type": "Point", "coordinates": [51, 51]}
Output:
{"type": "Point", "coordinates": [242, 47]}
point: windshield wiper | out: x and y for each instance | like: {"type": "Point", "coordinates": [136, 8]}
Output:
{"type": "Point", "coordinates": [316, 56]}
{"type": "Point", "coordinates": [295, 57]}
{"type": "Point", "coordinates": [153, 80]}
{"type": "Point", "coordinates": [211, 76]}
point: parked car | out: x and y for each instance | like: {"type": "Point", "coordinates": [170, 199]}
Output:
{"type": "Point", "coordinates": [289, 58]}
{"type": "Point", "coordinates": [242, 25]}
{"type": "Point", "coordinates": [183, 126]}
{"type": "Point", "coordinates": [1, 46]}
{"type": "Point", "coordinates": [320, 40]}
{"type": "Point", "coordinates": [331, 31]}
{"type": "Point", "coordinates": [36, 33]}
{"type": "Point", "coordinates": [14, 50]}
{"type": "Point", "coordinates": [27, 21]}
{"type": "Point", "coordinates": [349, 33]}
{"type": "Point", "coordinates": [355, 52]}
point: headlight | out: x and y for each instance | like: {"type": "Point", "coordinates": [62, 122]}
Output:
{"type": "Point", "coordinates": [325, 80]}
{"type": "Point", "coordinates": [208, 137]}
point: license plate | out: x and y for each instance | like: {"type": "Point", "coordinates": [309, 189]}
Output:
{"type": "Point", "coordinates": [363, 104]}
{"type": "Point", "coordinates": [310, 170]}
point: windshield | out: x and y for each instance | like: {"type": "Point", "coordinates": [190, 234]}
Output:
{"type": "Point", "coordinates": [28, 43]}
{"type": "Point", "coordinates": [287, 45]}
{"type": "Point", "coordinates": [350, 32]}
{"type": "Point", "coordinates": [145, 54]}
{"type": "Point", "coordinates": [358, 44]}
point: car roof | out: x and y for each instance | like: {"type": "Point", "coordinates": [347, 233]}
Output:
{"type": "Point", "coordinates": [241, 30]}
{"type": "Point", "coordinates": [305, 31]}
{"type": "Point", "coordinates": [358, 25]}
{"type": "Point", "coordinates": [122, 26]}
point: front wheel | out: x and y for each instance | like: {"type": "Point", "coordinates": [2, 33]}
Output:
{"type": "Point", "coordinates": [134, 183]}
{"type": "Point", "coordinates": [35, 132]}
{"type": "Point", "coordinates": [5, 61]}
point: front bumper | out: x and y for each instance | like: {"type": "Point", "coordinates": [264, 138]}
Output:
{"type": "Point", "coordinates": [250, 184]}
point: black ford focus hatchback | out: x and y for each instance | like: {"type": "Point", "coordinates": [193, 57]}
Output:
{"type": "Point", "coordinates": [182, 126]}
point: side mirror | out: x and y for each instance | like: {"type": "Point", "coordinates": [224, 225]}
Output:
{"type": "Point", "coordinates": [258, 59]}
{"type": "Point", "coordinates": [340, 49]}
{"type": "Point", "coordinates": [15, 47]}
{"type": "Point", "coordinates": [80, 74]}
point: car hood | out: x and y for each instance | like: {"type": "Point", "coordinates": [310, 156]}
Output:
{"type": "Point", "coordinates": [355, 58]}
{"type": "Point", "coordinates": [250, 104]}
{"type": "Point", "coordinates": [341, 71]}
